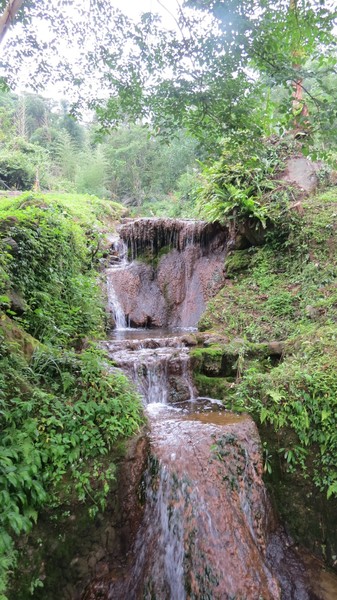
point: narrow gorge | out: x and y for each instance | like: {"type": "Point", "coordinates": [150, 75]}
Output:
{"type": "Point", "coordinates": [208, 529]}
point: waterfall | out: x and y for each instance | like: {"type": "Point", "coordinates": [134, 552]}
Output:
{"type": "Point", "coordinates": [114, 305]}
{"type": "Point", "coordinates": [119, 260]}
{"type": "Point", "coordinates": [176, 266]}
{"type": "Point", "coordinates": [208, 529]}
{"type": "Point", "coordinates": [163, 532]}
{"type": "Point", "coordinates": [195, 541]}
{"type": "Point", "coordinates": [151, 377]}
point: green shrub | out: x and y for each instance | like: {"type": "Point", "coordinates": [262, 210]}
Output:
{"type": "Point", "coordinates": [242, 185]}
{"type": "Point", "coordinates": [16, 170]}
{"type": "Point", "coordinates": [61, 412]}
{"type": "Point", "coordinates": [59, 419]}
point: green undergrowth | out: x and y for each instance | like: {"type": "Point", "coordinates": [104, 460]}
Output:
{"type": "Point", "coordinates": [150, 257]}
{"type": "Point", "coordinates": [62, 409]}
{"type": "Point", "coordinates": [281, 288]}
{"type": "Point", "coordinates": [245, 184]}
{"type": "Point", "coordinates": [49, 249]}
{"type": "Point", "coordinates": [300, 395]}
{"type": "Point", "coordinates": [286, 290]}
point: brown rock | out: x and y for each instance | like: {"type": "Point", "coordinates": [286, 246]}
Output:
{"type": "Point", "coordinates": [18, 303]}
{"type": "Point", "coordinates": [189, 340]}
{"type": "Point", "coordinates": [276, 348]}
{"type": "Point", "coordinates": [302, 173]}
{"type": "Point", "coordinates": [171, 290]}
{"type": "Point", "coordinates": [15, 336]}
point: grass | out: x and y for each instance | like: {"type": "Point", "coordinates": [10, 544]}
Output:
{"type": "Point", "coordinates": [85, 208]}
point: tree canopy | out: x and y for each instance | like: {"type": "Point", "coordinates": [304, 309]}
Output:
{"type": "Point", "coordinates": [236, 65]}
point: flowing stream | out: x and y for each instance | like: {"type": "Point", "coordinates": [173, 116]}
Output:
{"type": "Point", "coordinates": [208, 529]}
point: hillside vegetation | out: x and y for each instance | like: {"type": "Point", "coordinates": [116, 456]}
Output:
{"type": "Point", "coordinates": [43, 146]}
{"type": "Point", "coordinates": [62, 410]}
{"type": "Point", "coordinates": [272, 352]}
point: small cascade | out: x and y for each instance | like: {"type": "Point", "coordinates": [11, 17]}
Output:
{"type": "Point", "coordinates": [118, 261]}
{"type": "Point", "coordinates": [196, 542]}
{"type": "Point", "coordinates": [159, 368]}
{"type": "Point", "coordinates": [114, 305]}
{"type": "Point", "coordinates": [119, 252]}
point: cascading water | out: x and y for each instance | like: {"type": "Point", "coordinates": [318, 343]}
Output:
{"type": "Point", "coordinates": [114, 305]}
{"type": "Point", "coordinates": [119, 261]}
{"type": "Point", "coordinates": [160, 372]}
{"type": "Point", "coordinates": [208, 530]}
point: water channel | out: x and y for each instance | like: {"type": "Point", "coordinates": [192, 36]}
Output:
{"type": "Point", "coordinates": [208, 529]}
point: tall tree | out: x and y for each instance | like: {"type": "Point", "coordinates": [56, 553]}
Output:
{"type": "Point", "coordinates": [212, 73]}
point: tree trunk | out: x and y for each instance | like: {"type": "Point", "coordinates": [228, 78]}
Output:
{"type": "Point", "coordinates": [8, 15]}
{"type": "Point", "coordinates": [300, 108]}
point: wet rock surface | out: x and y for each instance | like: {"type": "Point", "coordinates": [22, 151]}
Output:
{"type": "Point", "coordinates": [208, 529]}
{"type": "Point", "coordinates": [176, 266]}
{"type": "Point", "coordinates": [159, 367]}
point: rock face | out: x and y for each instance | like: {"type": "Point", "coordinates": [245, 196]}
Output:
{"type": "Point", "coordinates": [302, 172]}
{"type": "Point", "coordinates": [176, 267]}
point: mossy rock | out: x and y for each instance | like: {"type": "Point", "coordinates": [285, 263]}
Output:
{"type": "Point", "coordinates": [223, 361]}
{"type": "Point", "coordinates": [218, 388]}
{"type": "Point", "coordinates": [308, 515]}
{"type": "Point", "coordinates": [151, 257]}
{"type": "Point", "coordinates": [236, 262]}
{"type": "Point", "coordinates": [213, 362]}
{"type": "Point", "coordinates": [16, 338]}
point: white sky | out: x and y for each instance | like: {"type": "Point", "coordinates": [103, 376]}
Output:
{"type": "Point", "coordinates": [133, 8]}
{"type": "Point", "coordinates": [167, 9]}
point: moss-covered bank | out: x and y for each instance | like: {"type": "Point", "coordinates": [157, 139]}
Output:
{"type": "Point", "coordinates": [62, 410]}
{"type": "Point", "coordinates": [66, 550]}
{"type": "Point", "coordinates": [277, 318]}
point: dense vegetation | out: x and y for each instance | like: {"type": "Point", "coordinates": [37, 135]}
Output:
{"type": "Point", "coordinates": [285, 291]}
{"type": "Point", "coordinates": [62, 409]}
{"type": "Point", "coordinates": [42, 146]}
